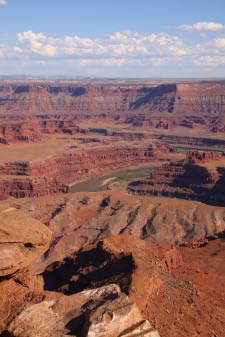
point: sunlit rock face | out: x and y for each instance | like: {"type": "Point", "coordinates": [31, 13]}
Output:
{"type": "Point", "coordinates": [190, 98]}
{"type": "Point", "coordinates": [200, 176]}
{"type": "Point", "coordinates": [22, 240]}
{"type": "Point", "coordinates": [53, 174]}
{"type": "Point", "coordinates": [102, 312]}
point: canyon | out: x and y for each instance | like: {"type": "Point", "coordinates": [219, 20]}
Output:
{"type": "Point", "coordinates": [200, 176]}
{"type": "Point", "coordinates": [27, 131]}
{"type": "Point", "coordinates": [143, 254]}
{"type": "Point", "coordinates": [93, 99]}
{"type": "Point", "coordinates": [54, 174]}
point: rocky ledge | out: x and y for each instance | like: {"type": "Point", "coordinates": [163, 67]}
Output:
{"type": "Point", "coordinates": [27, 310]}
{"type": "Point", "coordinates": [116, 287]}
{"type": "Point", "coordinates": [201, 176]}
{"type": "Point", "coordinates": [55, 174]}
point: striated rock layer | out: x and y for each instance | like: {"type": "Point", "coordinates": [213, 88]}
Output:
{"type": "Point", "coordinates": [80, 219]}
{"type": "Point", "coordinates": [163, 106]}
{"type": "Point", "coordinates": [194, 98]}
{"type": "Point", "coordinates": [31, 131]}
{"type": "Point", "coordinates": [53, 175]}
{"type": "Point", "coordinates": [201, 176]}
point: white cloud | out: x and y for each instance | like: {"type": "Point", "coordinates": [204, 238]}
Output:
{"type": "Point", "coordinates": [215, 47]}
{"type": "Point", "coordinates": [219, 43]}
{"type": "Point", "coordinates": [203, 27]}
{"type": "Point", "coordinates": [120, 52]}
{"type": "Point", "coordinates": [210, 61]}
{"type": "Point", "coordinates": [35, 41]}
{"type": "Point", "coordinates": [119, 45]}
{"type": "Point", "coordinates": [17, 50]}
{"type": "Point", "coordinates": [107, 62]}
{"type": "Point", "coordinates": [3, 2]}
{"type": "Point", "coordinates": [2, 51]}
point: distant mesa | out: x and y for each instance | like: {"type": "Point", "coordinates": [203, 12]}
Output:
{"type": "Point", "coordinates": [191, 99]}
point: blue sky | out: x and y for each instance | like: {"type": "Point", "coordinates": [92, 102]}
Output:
{"type": "Point", "coordinates": [113, 38]}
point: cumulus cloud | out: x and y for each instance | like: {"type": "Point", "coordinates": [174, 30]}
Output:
{"type": "Point", "coordinates": [219, 43]}
{"type": "Point", "coordinates": [3, 2]}
{"type": "Point", "coordinates": [210, 61]}
{"type": "Point", "coordinates": [203, 27]}
{"type": "Point", "coordinates": [107, 62]}
{"type": "Point", "coordinates": [119, 45]}
{"type": "Point", "coordinates": [36, 41]}
{"type": "Point", "coordinates": [212, 48]}
{"type": "Point", "coordinates": [119, 53]}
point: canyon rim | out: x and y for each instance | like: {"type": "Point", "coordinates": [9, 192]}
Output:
{"type": "Point", "coordinates": [112, 168]}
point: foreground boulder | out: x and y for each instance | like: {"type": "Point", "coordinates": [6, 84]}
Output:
{"type": "Point", "coordinates": [27, 310]}
{"type": "Point", "coordinates": [154, 277]}
{"type": "Point", "coordinates": [22, 240]}
{"type": "Point", "coordinates": [102, 312]}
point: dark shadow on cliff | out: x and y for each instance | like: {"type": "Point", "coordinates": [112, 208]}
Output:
{"type": "Point", "coordinates": [89, 269]}
{"type": "Point", "coordinates": [151, 95]}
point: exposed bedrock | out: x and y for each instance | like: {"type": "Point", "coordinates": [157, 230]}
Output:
{"type": "Point", "coordinates": [23, 186]}
{"type": "Point", "coordinates": [102, 312]}
{"type": "Point", "coordinates": [32, 131]}
{"type": "Point", "coordinates": [26, 310]}
{"type": "Point", "coordinates": [50, 176]}
{"type": "Point", "coordinates": [201, 176]}
{"type": "Point", "coordinates": [165, 106]}
{"type": "Point", "coordinates": [171, 289]}
{"type": "Point", "coordinates": [88, 269]}
{"type": "Point", "coordinates": [152, 273]}
{"type": "Point", "coordinates": [191, 141]}
{"type": "Point", "coordinates": [22, 241]}
{"type": "Point", "coordinates": [81, 219]}
{"type": "Point", "coordinates": [192, 98]}
{"type": "Point", "coordinates": [169, 303]}
{"type": "Point", "coordinates": [57, 108]}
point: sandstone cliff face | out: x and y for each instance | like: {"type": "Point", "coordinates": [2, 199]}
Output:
{"type": "Point", "coordinates": [20, 131]}
{"type": "Point", "coordinates": [169, 303]}
{"type": "Point", "coordinates": [56, 108]}
{"type": "Point", "coordinates": [191, 141]}
{"type": "Point", "coordinates": [50, 176]}
{"type": "Point", "coordinates": [23, 186]}
{"type": "Point", "coordinates": [83, 164]}
{"type": "Point", "coordinates": [80, 219]}
{"type": "Point", "coordinates": [32, 131]}
{"type": "Point", "coordinates": [28, 311]}
{"type": "Point", "coordinates": [196, 98]}
{"type": "Point", "coordinates": [76, 99]}
{"type": "Point", "coordinates": [201, 176]}
{"type": "Point", "coordinates": [170, 289]}
{"type": "Point", "coordinates": [192, 99]}
{"type": "Point", "coordinates": [22, 240]}
{"type": "Point", "coordinates": [102, 312]}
